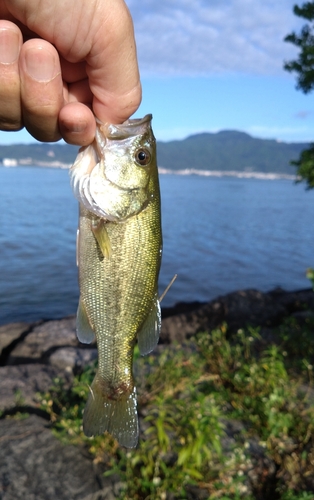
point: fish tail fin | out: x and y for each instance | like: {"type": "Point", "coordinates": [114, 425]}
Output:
{"type": "Point", "coordinates": [118, 417]}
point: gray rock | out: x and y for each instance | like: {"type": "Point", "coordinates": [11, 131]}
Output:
{"type": "Point", "coordinates": [72, 358]}
{"type": "Point", "coordinates": [303, 316]}
{"type": "Point", "coordinates": [237, 309]}
{"type": "Point", "coordinates": [43, 340]}
{"type": "Point", "coordinates": [262, 472]}
{"type": "Point", "coordinates": [19, 384]}
{"type": "Point", "coordinates": [11, 333]}
{"type": "Point", "coordinates": [109, 493]}
{"type": "Point", "coordinates": [182, 326]}
{"type": "Point", "coordinates": [35, 465]}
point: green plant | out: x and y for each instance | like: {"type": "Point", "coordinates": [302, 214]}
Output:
{"type": "Point", "coordinates": [310, 275]}
{"type": "Point", "coordinates": [186, 394]}
{"type": "Point", "coordinates": [297, 342]}
{"type": "Point", "coordinates": [302, 495]}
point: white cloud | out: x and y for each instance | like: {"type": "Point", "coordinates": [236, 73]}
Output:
{"type": "Point", "coordinates": [206, 37]}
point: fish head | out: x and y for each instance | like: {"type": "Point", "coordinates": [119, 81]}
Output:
{"type": "Point", "coordinates": [127, 152]}
{"type": "Point", "coordinates": [119, 180]}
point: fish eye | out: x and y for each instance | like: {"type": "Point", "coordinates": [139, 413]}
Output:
{"type": "Point", "coordinates": [142, 157]}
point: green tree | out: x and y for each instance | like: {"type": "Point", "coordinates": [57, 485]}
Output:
{"type": "Point", "coordinates": [304, 67]}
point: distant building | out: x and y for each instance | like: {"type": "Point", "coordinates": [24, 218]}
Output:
{"type": "Point", "coordinates": [9, 162]}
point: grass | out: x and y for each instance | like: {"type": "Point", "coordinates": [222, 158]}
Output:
{"type": "Point", "coordinates": [189, 398]}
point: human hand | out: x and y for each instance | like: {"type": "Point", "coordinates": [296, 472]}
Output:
{"type": "Point", "coordinates": [78, 58]}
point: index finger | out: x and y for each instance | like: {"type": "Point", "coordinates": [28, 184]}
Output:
{"type": "Point", "coordinates": [99, 32]}
{"type": "Point", "coordinates": [10, 45]}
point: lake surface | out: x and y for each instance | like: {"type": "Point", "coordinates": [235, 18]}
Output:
{"type": "Point", "coordinates": [220, 235]}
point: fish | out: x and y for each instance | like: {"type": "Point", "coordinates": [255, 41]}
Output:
{"type": "Point", "coordinates": [119, 248]}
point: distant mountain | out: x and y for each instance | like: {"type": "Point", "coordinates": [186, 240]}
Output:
{"type": "Point", "coordinates": [39, 153]}
{"type": "Point", "coordinates": [226, 150]}
{"type": "Point", "coordinates": [229, 150]}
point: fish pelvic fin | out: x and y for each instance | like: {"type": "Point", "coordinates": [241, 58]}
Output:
{"type": "Point", "coordinates": [148, 335]}
{"type": "Point", "coordinates": [102, 238]}
{"type": "Point", "coordinates": [118, 417]}
{"type": "Point", "coordinates": [84, 331]}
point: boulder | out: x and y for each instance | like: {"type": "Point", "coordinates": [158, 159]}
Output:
{"type": "Point", "coordinates": [10, 335]}
{"type": "Point", "coordinates": [238, 309]}
{"type": "Point", "coordinates": [43, 340]}
{"type": "Point", "coordinates": [36, 465]}
{"type": "Point", "coordinates": [72, 359]}
{"type": "Point", "coordinates": [19, 384]}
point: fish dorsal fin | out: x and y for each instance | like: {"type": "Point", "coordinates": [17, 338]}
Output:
{"type": "Point", "coordinates": [148, 335]}
{"type": "Point", "coordinates": [84, 330]}
{"type": "Point", "coordinates": [102, 237]}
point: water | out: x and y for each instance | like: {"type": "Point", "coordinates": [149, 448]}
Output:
{"type": "Point", "coordinates": [220, 235]}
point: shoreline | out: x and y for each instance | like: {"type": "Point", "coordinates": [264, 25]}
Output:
{"type": "Point", "coordinates": [228, 173]}
{"type": "Point", "coordinates": [39, 363]}
{"type": "Point", "coordinates": [228, 304]}
{"type": "Point", "coordinates": [243, 174]}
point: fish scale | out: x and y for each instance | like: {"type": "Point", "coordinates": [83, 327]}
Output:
{"type": "Point", "coordinates": [119, 261]}
{"type": "Point", "coordinates": [112, 278]}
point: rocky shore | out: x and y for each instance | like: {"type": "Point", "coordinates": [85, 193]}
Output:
{"type": "Point", "coordinates": [34, 464]}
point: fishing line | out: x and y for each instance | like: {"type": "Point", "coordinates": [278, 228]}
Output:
{"type": "Point", "coordinates": [162, 296]}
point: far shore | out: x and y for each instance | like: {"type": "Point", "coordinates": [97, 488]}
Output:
{"type": "Point", "coordinates": [245, 174]}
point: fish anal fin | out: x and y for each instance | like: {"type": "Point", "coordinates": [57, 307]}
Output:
{"type": "Point", "coordinates": [84, 331]}
{"type": "Point", "coordinates": [118, 417]}
{"type": "Point", "coordinates": [102, 237]}
{"type": "Point", "coordinates": [148, 335]}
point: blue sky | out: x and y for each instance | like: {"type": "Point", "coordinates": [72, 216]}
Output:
{"type": "Point", "coordinates": [211, 65]}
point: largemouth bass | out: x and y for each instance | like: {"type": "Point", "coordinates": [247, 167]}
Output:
{"type": "Point", "coordinates": [119, 243]}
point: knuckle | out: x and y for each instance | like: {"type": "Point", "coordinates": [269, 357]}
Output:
{"type": "Point", "coordinates": [43, 130]}
{"type": "Point", "coordinates": [8, 125]}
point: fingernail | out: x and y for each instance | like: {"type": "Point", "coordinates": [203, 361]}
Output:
{"type": "Point", "coordinates": [75, 128]}
{"type": "Point", "coordinates": [9, 46]}
{"type": "Point", "coordinates": [41, 64]}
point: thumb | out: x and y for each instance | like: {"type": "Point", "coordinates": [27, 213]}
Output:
{"type": "Point", "coordinates": [112, 66]}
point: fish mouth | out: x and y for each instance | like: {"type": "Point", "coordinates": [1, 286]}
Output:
{"type": "Point", "coordinates": [129, 128]}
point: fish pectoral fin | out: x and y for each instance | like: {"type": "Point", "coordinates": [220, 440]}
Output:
{"type": "Point", "coordinates": [84, 331]}
{"type": "Point", "coordinates": [102, 237]}
{"type": "Point", "coordinates": [148, 335]}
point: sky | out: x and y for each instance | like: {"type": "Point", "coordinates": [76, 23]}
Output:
{"type": "Point", "coordinates": [211, 65]}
